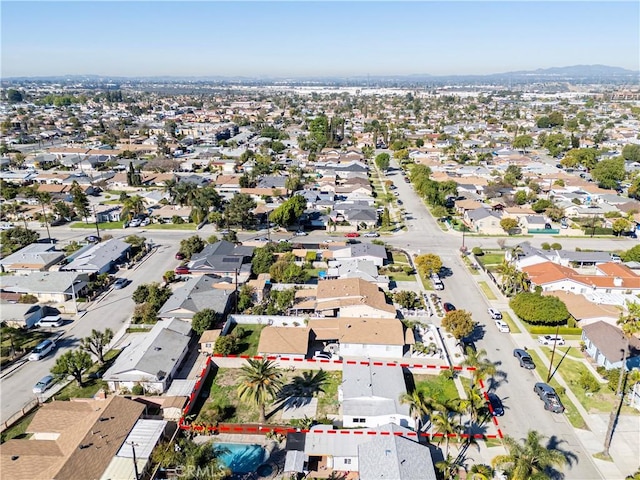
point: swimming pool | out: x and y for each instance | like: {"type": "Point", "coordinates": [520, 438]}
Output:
{"type": "Point", "coordinates": [240, 457]}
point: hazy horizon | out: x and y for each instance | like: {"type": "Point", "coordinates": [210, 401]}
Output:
{"type": "Point", "coordinates": [313, 39]}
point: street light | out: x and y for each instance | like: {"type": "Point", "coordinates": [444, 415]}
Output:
{"type": "Point", "coordinates": [135, 462]}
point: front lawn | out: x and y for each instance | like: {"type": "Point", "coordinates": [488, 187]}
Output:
{"type": "Point", "coordinates": [171, 226]}
{"type": "Point", "coordinates": [102, 226]}
{"type": "Point", "coordinates": [399, 257]}
{"type": "Point", "coordinates": [18, 430]}
{"type": "Point", "coordinates": [570, 409]}
{"type": "Point", "coordinates": [491, 258]}
{"type": "Point", "coordinates": [35, 337]}
{"type": "Point", "coordinates": [439, 387]}
{"type": "Point", "coordinates": [401, 277]}
{"type": "Point", "coordinates": [512, 325]}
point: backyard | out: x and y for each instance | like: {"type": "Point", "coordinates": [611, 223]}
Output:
{"type": "Point", "coordinates": [249, 338]}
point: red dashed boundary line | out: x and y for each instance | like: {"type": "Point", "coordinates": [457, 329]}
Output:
{"type": "Point", "coordinates": [240, 428]}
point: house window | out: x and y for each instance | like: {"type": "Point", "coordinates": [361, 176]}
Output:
{"type": "Point", "coordinates": [347, 461]}
{"type": "Point", "coordinates": [359, 420]}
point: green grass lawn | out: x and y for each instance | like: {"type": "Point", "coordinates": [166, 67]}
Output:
{"type": "Point", "coordinates": [90, 386]}
{"type": "Point", "coordinates": [171, 226]}
{"type": "Point", "coordinates": [102, 226]}
{"type": "Point", "coordinates": [250, 338]}
{"type": "Point", "coordinates": [570, 409]}
{"type": "Point", "coordinates": [438, 387]}
{"type": "Point", "coordinates": [491, 258]}
{"type": "Point", "coordinates": [328, 401]}
{"type": "Point", "coordinates": [602, 401]}
{"type": "Point", "coordinates": [18, 430]}
{"type": "Point", "coordinates": [512, 325]}
{"type": "Point", "coordinates": [486, 289]}
{"type": "Point", "coordinates": [399, 257]}
{"type": "Point", "coordinates": [314, 272]}
{"type": "Point", "coordinates": [401, 277]}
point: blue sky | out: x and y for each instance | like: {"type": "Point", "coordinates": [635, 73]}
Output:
{"type": "Point", "coordinates": [300, 38]}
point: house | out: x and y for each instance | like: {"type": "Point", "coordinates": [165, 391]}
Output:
{"type": "Point", "coordinates": [351, 297]}
{"type": "Point", "coordinates": [605, 343]}
{"type": "Point", "coordinates": [98, 258]}
{"type": "Point", "coordinates": [533, 222]}
{"type": "Point", "coordinates": [289, 341]}
{"type": "Point", "coordinates": [151, 359]}
{"type": "Point", "coordinates": [224, 259]}
{"type": "Point", "coordinates": [375, 254]}
{"type": "Point", "coordinates": [208, 340]}
{"type": "Point", "coordinates": [386, 452]}
{"type": "Point", "coordinates": [485, 221]}
{"type": "Point", "coordinates": [198, 293]}
{"type": "Point", "coordinates": [167, 213]}
{"type": "Point", "coordinates": [32, 258]}
{"type": "Point", "coordinates": [21, 315]}
{"type": "Point", "coordinates": [372, 337]}
{"type": "Point", "coordinates": [370, 396]}
{"type": "Point", "coordinates": [587, 309]}
{"type": "Point", "coordinates": [357, 268]}
{"type": "Point", "coordinates": [71, 440]}
{"type": "Point", "coordinates": [46, 286]}
{"type": "Point", "coordinates": [107, 213]}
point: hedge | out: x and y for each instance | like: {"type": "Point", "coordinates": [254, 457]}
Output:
{"type": "Point", "coordinates": [539, 330]}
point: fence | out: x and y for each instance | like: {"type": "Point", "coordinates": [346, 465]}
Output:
{"type": "Point", "coordinates": [16, 417]}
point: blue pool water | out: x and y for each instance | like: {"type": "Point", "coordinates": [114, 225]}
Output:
{"type": "Point", "coordinates": [240, 457]}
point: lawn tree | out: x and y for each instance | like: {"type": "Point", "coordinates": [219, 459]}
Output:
{"type": "Point", "coordinates": [203, 320]}
{"type": "Point", "coordinates": [259, 383]}
{"type": "Point", "coordinates": [226, 345]}
{"type": "Point", "coordinates": [72, 363]}
{"type": "Point", "coordinates": [508, 224]}
{"type": "Point", "coordinates": [458, 323]}
{"type": "Point", "coordinates": [289, 212]}
{"type": "Point", "coordinates": [16, 238]}
{"type": "Point", "coordinates": [418, 406]}
{"type": "Point", "coordinates": [97, 342]}
{"type": "Point", "coordinates": [80, 202]}
{"type": "Point", "coordinates": [608, 173]}
{"type": "Point", "coordinates": [522, 142]}
{"type": "Point", "coordinates": [382, 161]}
{"type": "Point", "coordinates": [428, 263]}
{"type": "Point", "coordinates": [620, 225]}
{"type": "Point", "coordinates": [406, 298]}
{"type": "Point", "coordinates": [190, 246]}
{"type": "Point", "coordinates": [239, 210]}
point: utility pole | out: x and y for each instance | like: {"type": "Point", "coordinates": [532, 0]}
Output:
{"type": "Point", "coordinates": [236, 293]}
{"type": "Point", "coordinates": [95, 217]}
{"type": "Point", "coordinates": [46, 221]}
{"type": "Point", "coordinates": [553, 352]}
{"type": "Point", "coordinates": [135, 462]}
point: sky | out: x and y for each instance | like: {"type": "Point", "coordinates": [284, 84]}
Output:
{"type": "Point", "coordinates": [305, 38]}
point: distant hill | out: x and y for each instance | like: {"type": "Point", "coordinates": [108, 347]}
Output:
{"type": "Point", "coordinates": [577, 70]}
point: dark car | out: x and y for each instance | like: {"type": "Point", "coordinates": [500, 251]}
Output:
{"type": "Point", "coordinates": [182, 270]}
{"type": "Point", "coordinates": [549, 396]}
{"type": "Point", "coordinates": [448, 307]}
{"type": "Point", "coordinates": [524, 358]}
{"type": "Point", "coordinates": [93, 239]}
{"type": "Point", "coordinates": [495, 405]}
{"type": "Point", "coordinates": [179, 256]}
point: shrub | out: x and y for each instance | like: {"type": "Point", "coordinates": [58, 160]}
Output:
{"type": "Point", "coordinates": [556, 246]}
{"type": "Point", "coordinates": [545, 246]}
{"type": "Point", "coordinates": [137, 389]}
{"type": "Point", "coordinates": [28, 298]}
{"type": "Point", "coordinates": [477, 251]}
{"type": "Point", "coordinates": [539, 309]}
{"type": "Point", "coordinates": [226, 345]}
{"type": "Point", "coordinates": [560, 390]}
{"type": "Point", "coordinates": [588, 382]}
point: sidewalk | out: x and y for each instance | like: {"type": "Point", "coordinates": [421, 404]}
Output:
{"type": "Point", "coordinates": [626, 439]}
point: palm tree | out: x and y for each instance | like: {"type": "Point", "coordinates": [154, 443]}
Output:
{"type": "Point", "coordinates": [449, 467]}
{"type": "Point", "coordinates": [475, 402]}
{"type": "Point", "coordinates": [513, 280]}
{"type": "Point", "coordinates": [480, 472]}
{"type": "Point", "coordinates": [132, 206]}
{"type": "Point", "coordinates": [419, 405]}
{"type": "Point", "coordinates": [483, 367]}
{"type": "Point", "coordinates": [170, 188]}
{"type": "Point", "coordinates": [309, 384]}
{"type": "Point", "coordinates": [630, 325]}
{"type": "Point", "coordinates": [444, 423]}
{"type": "Point", "coordinates": [529, 460]}
{"type": "Point", "coordinates": [260, 382]}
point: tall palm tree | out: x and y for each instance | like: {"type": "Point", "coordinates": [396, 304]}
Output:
{"type": "Point", "coordinates": [133, 206]}
{"type": "Point", "coordinates": [630, 325]}
{"type": "Point", "coordinates": [529, 460]}
{"type": "Point", "coordinates": [419, 405]}
{"type": "Point", "coordinates": [260, 382]}
{"type": "Point", "coordinates": [483, 367]}
{"type": "Point", "coordinates": [513, 280]}
{"type": "Point", "coordinates": [170, 188]}
{"type": "Point", "coordinates": [475, 402]}
{"type": "Point", "coordinates": [444, 422]}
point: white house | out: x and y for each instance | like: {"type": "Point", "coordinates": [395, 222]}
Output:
{"type": "Point", "coordinates": [373, 337]}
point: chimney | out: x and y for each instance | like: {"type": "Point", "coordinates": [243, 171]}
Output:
{"type": "Point", "coordinates": [617, 281]}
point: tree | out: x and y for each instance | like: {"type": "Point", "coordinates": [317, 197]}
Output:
{"type": "Point", "coordinates": [307, 384]}
{"type": "Point", "coordinates": [80, 202]}
{"type": "Point", "coordinates": [190, 246]}
{"type": "Point", "coordinates": [631, 152]}
{"type": "Point", "coordinates": [382, 161]}
{"type": "Point", "coordinates": [512, 175]}
{"type": "Point", "coordinates": [482, 367]}
{"type": "Point", "coordinates": [385, 218]}
{"type": "Point", "coordinates": [512, 279]}
{"type": "Point", "coordinates": [406, 298]}
{"type": "Point", "coordinates": [133, 176]}
{"type": "Point", "coordinates": [289, 212]}
{"type": "Point", "coordinates": [203, 320]}
{"type": "Point", "coordinates": [132, 206]}
{"type": "Point", "coordinates": [14, 96]}
{"type": "Point", "coordinates": [541, 205]}
{"type": "Point", "coordinates": [539, 309]}
{"type": "Point", "coordinates": [428, 263]}
{"type": "Point", "coordinates": [520, 197]}
{"type": "Point", "coordinates": [529, 460]}
{"type": "Point", "coordinates": [418, 405]}
{"type": "Point", "coordinates": [480, 472]}
{"type": "Point", "coordinates": [458, 323]}
{"type": "Point", "coordinates": [508, 224]}
{"type": "Point", "coordinates": [72, 363]}
{"type": "Point", "coordinates": [259, 383]}
{"type": "Point", "coordinates": [522, 142]}
{"type": "Point", "coordinates": [97, 342]}
{"type": "Point", "coordinates": [226, 345]}
{"type": "Point", "coordinates": [630, 326]}
{"type": "Point", "coordinates": [263, 258]}
{"type": "Point", "coordinates": [16, 238]}
{"type": "Point", "coordinates": [631, 255]}
{"type": "Point", "coordinates": [135, 240]}
{"type": "Point", "coordinates": [609, 172]}
{"type": "Point", "coordinates": [580, 156]}
{"type": "Point", "coordinates": [239, 211]}
{"type": "Point", "coordinates": [620, 225]}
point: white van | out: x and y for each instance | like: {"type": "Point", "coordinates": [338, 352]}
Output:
{"type": "Point", "coordinates": [42, 350]}
{"type": "Point", "coordinates": [50, 321]}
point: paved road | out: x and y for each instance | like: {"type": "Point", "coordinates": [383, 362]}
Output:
{"type": "Point", "coordinates": [110, 312]}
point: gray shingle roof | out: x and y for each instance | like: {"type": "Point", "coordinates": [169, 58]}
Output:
{"type": "Point", "coordinates": [34, 254]}
{"type": "Point", "coordinates": [370, 390]}
{"type": "Point", "coordinates": [43, 282]}
{"type": "Point", "coordinates": [196, 294]}
{"type": "Point", "coordinates": [394, 457]}
{"type": "Point", "coordinates": [98, 256]}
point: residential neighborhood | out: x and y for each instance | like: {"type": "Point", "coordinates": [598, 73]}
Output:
{"type": "Point", "coordinates": [289, 281]}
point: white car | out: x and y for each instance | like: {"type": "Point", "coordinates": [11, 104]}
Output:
{"type": "Point", "coordinates": [502, 326]}
{"type": "Point", "coordinates": [550, 339]}
{"type": "Point", "coordinates": [371, 234]}
{"type": "Point", "coordinates": [145, 222]}
{"type": "Point", "coordinates": [135, 222]}
{"type": "Point", "coordinates": [494, 314]}
{"type": "Point", "coordinates": [300, 234]}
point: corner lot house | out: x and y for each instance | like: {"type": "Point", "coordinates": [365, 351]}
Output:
{"type": "Point", "coordinates": [151, 359]}
{"type": "Point", "coordinates": [46, 286]}
{"type": "Point", "coordinates": [605, 344]}
{"type": "Point", "coordinates": [98, 258]}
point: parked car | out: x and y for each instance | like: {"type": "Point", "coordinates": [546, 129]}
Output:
{"type": "Point", "coordinates": [44, 384]}
{"type": "Point", "coordinates": [550, 339]}
{"type": "Point", "coordinates": [300, 234]}
{"type": "Point", "coordinates": [372, 234]}
{"type": "Point", "coordinates": [524, 358]}
{"type": "Point", "coordinates": [43, 349]}
{"type": "Point", "coordinates": [448, 307]}
{"type": "Point", "coordinates": [135, 222]}
{"type": "Point", "coordinates": [502, 326]}
{"type": "Point", "coordinates": [120, 283]}
{"type": "Point", "coordinates": [50, 321]}
{"type": "Point", "coordinates": [182, 270]}
{"type": "Point", "coordinates": [179, 256]}
{"type": "Point", "coordinates": [145, 222]}
{"type": "Point", "coordinates": [352, 235]}
{"type": "Point", "coordinates": [400, 202]}
{"type": "Point", "coordinates": [495, 405]}
{"type": "Point", "coordinates": [322, 356]}
{"type": "Point", "coordinates": [494, 314]}
{"type": "Point", "coordinates": [93, 239]}
{"type": "Point", "coordinates": [549, 396]}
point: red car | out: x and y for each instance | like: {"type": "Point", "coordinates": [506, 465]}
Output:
{"type": "Point", "coordinates": [182, 270]}
{"type": "Point", "coordinates": [179, 256]}
{"type": "Point", "coordinates": [352, 235]}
